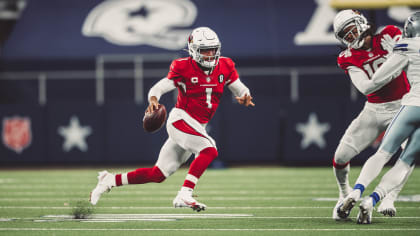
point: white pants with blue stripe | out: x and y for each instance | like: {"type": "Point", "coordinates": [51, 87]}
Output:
{"type": "Point", "coordinates": [406, 124]}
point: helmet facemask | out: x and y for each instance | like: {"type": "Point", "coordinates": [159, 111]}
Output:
{"type": "Point", "coordinates": [351, 23]}
{"type": "Point", "coordinates": [202, 39]}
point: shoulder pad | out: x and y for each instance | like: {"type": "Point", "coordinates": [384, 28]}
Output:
{"type": "Point", "coordinates": [345, 59]}
{"type": "Point", "coordinates": [392, 30]}
{"type": "Point", "coordinates": [178, 65]}
{"type": "Point", "coordinates": [227, 61]}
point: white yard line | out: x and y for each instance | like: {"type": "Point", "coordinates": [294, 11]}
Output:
{"type": "Point", "coordinates": [168, 217]}
{"type": "Point", "coordinates": [200, 229]}
{"type": "Point", "coordinates": [172, 193]}
{"type": "Point", "coordinates": [408, 198]}
{"type": "Point", "coordinates": [157, 207]}
{"type": "Point", "coordinates": [113, 199]}
{"type": "Point", "coordinates": [232, 185]}
{"type": "Point", "coordinates": [153, 216]}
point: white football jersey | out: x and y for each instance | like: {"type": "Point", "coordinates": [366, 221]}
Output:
{"type": "Point", "coordinates": [410, 47]}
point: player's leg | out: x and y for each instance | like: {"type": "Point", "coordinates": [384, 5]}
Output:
{"type": "Point", "coordinates": [405, 124]}
{"type": "Point", "coordinates": [341, 168]}
{"type": "Point", "coordinates": [394, 177]}
{"type": "Point", "coordinates": [193, 137]}
{"type": "Point", "coordinates": [198, 166]}
{"type": "Point", "coordinates": [399, 130]}
{"type": "Point", "coordinates": [374, 164]}
{"type": "Point", "coordinates": [360, 134]}
{"type": "Point", "coordinates": [171, 156]}
{"type": "Point", "coordinates": [387, 207]}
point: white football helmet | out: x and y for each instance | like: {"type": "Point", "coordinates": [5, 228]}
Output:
{"type": "Point", "coordinates": [204, 38]}
{"type": "Point", "coordinates": [346, 18]}
{"type": "Point", "coordinates": [412, 26]}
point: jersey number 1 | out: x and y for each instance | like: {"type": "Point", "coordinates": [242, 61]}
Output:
{"type": "Point", "coordinates": [208, 97]}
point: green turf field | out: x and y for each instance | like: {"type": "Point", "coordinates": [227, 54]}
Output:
{"type": "Point", "coordinates": [241, 201]}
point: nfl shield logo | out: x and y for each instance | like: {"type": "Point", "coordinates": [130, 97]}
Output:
{"type": "Point", "coordinates": [17, 134]}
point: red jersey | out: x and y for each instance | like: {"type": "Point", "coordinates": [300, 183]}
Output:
{"type": "Point", "coordinates": [370, 60]}
{"type": "Point", "coordinates": [198, 93]}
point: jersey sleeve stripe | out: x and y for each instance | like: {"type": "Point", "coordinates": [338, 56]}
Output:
{"type": "Point", "coordinates": [401, 47]}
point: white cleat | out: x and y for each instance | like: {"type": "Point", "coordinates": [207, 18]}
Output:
{"type": "Point", "coordinates": [335, 215]}
{"type": "Point", "coordinates": [365, 211]}
{"type": "Point", "coordinates": [343, 210]}
{"type": "Point", "coordinates": [185, 199]}
{"type": "Point", "coordinates": [387, 208]}
{"type": "Point", "coordinates": [105, 182]}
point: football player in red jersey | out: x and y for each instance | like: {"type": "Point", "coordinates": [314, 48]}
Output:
{"type": "Point", "coordinates": [364, 54]}
{"type": "Point", "coordinates": [200, 80]}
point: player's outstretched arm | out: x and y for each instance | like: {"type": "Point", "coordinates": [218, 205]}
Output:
{"type": "Point", "coordinates": [245, 100]}
{"type": "Point", "coordinates": [241, 93]}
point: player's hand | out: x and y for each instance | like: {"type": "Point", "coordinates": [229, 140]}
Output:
{"type": "Point", "coordinates": [245, 100]}
{"type": "Point", "coordinates": [387, 43]}
{"type": "Point", "coordinates": [153, 104]}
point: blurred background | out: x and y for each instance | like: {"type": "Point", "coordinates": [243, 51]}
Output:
{"type": "Point", "coordinates": [74, 78]}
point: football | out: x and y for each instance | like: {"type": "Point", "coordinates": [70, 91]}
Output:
{"type": "Point", "coordinates": [152, 122]}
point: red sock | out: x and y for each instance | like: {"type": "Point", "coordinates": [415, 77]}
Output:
{"type": "Point", "coordinates": [199, 165]}
{"type": "Point", "coordinates": [142, 176]}
{"type": "Point", "coordinates": [340, 166]}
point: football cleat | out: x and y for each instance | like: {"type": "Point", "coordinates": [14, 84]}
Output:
{"type": "Point", "coordinates": [387, 208]}
{"type": "Point", "coordinates": [185, 199]}
{"type": "Point", "coordinates": [105, 182]}
{"type": "Point", "coordinates": [343, 210]}
{"type": "Point", "coordinates": [335, 210]}
{"type": "Point", "coordinates": [365, 211]}
{"type": "Point", "coordinates": [343, 194]}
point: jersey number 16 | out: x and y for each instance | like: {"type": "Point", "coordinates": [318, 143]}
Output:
{"type": "Point", "coordinates": [375, 66]}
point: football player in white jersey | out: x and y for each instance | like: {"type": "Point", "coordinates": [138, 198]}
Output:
{"type": "Point", "coordinates": [406, 123]}
{"type": "Point", "coordinates": [364, 54]}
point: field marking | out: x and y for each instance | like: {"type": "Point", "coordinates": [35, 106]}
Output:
{"type": "Point", "coordinates": [140, 217]}
{"type": "Point", "coordinates": [407, 198]}
{"type": "Point", "coordinates": [401, 198]}
{"type": "Point", "coordinates": [153, 216]}
{"type": "Point", "coordinates": [100, 220]}
{"type": "Point", "coordinates": [158, 207]}
{"type": "Point", "coordinates": [108, 218]}
{"type": "Point", "coordinates": [229, 186]}
{"type": "Point", "coordinates": [113, 199]}
{"type": "Point", "coordinates": [172, 193]}
{"type": "Point", "coordinates": [200, 229]}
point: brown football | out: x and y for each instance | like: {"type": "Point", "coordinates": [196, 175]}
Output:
{"type": "Point", "coordinates": [152, 122]}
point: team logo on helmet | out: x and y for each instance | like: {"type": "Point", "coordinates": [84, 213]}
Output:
{"type": "Point", "coordinates": [17, 134]}
{"type": "Point", "coordinates": [158, 23]}
{"type": "Point", "coordinates": [190, 38]}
